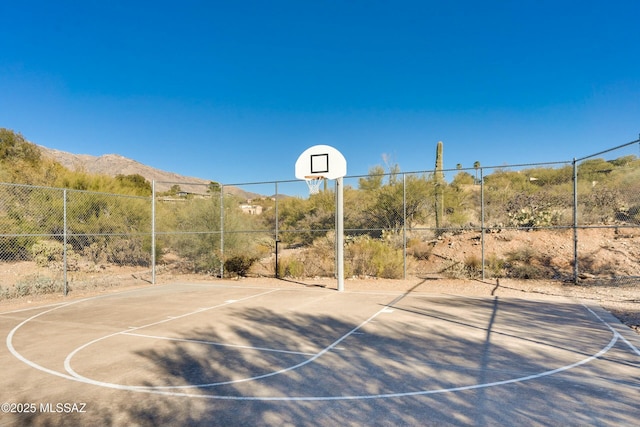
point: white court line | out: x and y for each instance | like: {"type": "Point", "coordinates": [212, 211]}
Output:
{"type": "Point", "coordinates": [9, 340]}
{"type": "Point", "coordinates": [16, 353]}
{"type": "Point", "coordinates": [218, 344]}
{"type": "Point", "coordinates": [634, 348]}
{"type": "Point", "coordinates": [153, 389]}
{"type": "Point", "coordinates": [166, 390]}
{"type": "Point", "coordinates": [169, 391]}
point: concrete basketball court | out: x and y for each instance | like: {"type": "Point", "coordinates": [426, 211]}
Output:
{"type": "Point", "coordinates": [225, 354]}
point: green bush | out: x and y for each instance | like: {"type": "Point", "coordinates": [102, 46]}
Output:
{"type": "Point", "coordinates": [291, 267]}
{"type": "Point", "coordinates": [45, 285]}
{"type": "Point", "coordinates": [32, 285]}
{"type": "Point", "coordinates": [370, 257]}
{"type": "Point", "coordinates": [524, 263]}
{"type": "Point", "coordinates": [47, 251]}
{"type": "Point", "coordinates": [295, 268]}
{"type": "Point", "coordinates": [533, 218]}
{"type": "Point", "coordinates": [50, 253]}
{"type": "Point", "coordinates": [127, 252]}
{"type": "Point", "coordinates": [238, 265]}
{"type": "Point", "coordinates": [527, 271]}
{"type": "Point", "coordinates": [495, 265]}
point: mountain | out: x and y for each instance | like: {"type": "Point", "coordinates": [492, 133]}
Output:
{"type": "Point", "coordinates": [115, 164]}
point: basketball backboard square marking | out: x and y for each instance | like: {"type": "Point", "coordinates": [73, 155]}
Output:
{"type": "Point", "coordinates": [319, 163]}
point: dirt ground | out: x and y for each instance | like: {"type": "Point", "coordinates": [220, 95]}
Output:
{"type": "Point", "coordinates": [603, 253]}
{"type": "Point", "coordinates": [623, 301]}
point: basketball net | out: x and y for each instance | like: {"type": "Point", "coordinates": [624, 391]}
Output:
{"type": "Point", "coordinates": [313, 182]}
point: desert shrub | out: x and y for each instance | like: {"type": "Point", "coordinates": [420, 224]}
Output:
{"type": "Point", "coordinates": [47, 251]}
{"type": "Point", "coordinates": [522, 254]}
{"type": "Point", "coordinates": [600, 203]}
{"type": "Point", "coordinates": [31, 285]}
{"type": "Point", "coordinates": [630, 215]}
{"type": "Point", "coordinates": [127, 252]}
{"type": "Point", "coordinates": [495, 265]}
{"type": "Point", "coordinates": [45, 285]}
{"type": "Point", "coordinates": [473, 266]}
{"type": "Point", "coordinates": [533, 218]}
{"type": "Point", "coordinates": [393, 239]}
{"type": "Point", "coordinates": [15, 248]}
{"type": "Point", "coordinates": [291, 267]}
{"type": "Point", "coordinates": [527, 271]}
{"type": "Point", "coordinates": [50, 253]}
{"type": "Point", "coordinates": [21, 289]}
{"type": "Point", "coordinates": [454, 270]}
{"type": "Point", "coordinates": [372, 257]}
{"type": "Point", "coordinates": [239, 265]}
{"type": "Point", "coordinates": [315, 261]}
{"type": "Point", "coordinates": [524, 263]}
{"type": "Point", "coordinates": [94, 253]}
{"type": "Point", "coordinates": [420, 250]}
{"type": "Point", "coordinates": [207, 264]}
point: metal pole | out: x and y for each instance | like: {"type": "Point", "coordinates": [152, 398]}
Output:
{"type": "Point", "coordinates": [336, 267]}
{"type": "Point", "coordinates": [221, 231]}
{"type": "Point", "coordinates": [64, 241]}
{"type": "Point", "coordinates": [482, 228]}
{"type": "Point", "coordinates": [575, 221]}
{"type": "Point", "coordinates": [340, 233]}
{"type": "Point", "coordinates": [153, 232]}
{"type": "Point", "coordinates": [404, 226]}
{"type": "Point", "coordinates": [277, 236]}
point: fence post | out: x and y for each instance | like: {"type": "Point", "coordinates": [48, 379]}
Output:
{"type": "Point", "coordinates": [277, 236]}
{"type": "Point", "coordinates": [575, 221]}
{"type": "Point", "coordinates": [153, 232]}
{"type": "Point", "coordinates": [404, 225]}
{"type": "Point", "coordinates": [482, 228]}
{"type": "Point", "coordinates": [64, 241]}
{"type": "Point", "coordinates": [222, 231]}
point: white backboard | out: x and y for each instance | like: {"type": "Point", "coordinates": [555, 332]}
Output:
{"type": "Point", "coordinates": [321, 161]}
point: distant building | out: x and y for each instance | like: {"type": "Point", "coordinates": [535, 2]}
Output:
{"type": "Point", "coordinates": [251, 209]}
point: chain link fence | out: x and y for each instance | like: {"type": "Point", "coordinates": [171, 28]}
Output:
{"type": "Point", "coordinates": [607, 234]}
{"type": "Point", "coordinates": [54, 240]}
{"type": "Point", "coordinates": [575, 221]}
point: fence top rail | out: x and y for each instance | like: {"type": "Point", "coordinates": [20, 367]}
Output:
{"type": "Point", "coordinates": [521, 165]}
{"type": "Point", "coordinates": [637, 141]}
{"type": "Point", "coordinates": [565, 162]}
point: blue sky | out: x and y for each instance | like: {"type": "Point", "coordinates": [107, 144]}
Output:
{"type": "Point", "coordinates": [234, 91]}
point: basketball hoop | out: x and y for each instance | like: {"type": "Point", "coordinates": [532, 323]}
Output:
{"type": "Point", "coordinates": [315, 165]}
{"type": "Point", "coordinates": [313, 182]}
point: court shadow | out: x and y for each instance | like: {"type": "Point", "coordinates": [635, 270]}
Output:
{"type": "Point", "coordinates": [432, 361]}
{"type": "Point", "coordinates": [274, 368]}
{"type": "Point", "coordinates": [306, 285]}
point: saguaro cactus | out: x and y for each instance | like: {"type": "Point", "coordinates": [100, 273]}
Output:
{"type": "Point", "coordinates": [438, 180]}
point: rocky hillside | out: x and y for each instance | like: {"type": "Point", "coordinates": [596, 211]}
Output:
{"type": "Point", "coordinates": [114, 164]}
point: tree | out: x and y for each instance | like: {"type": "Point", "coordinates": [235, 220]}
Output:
{"type": "Point", "coordinates": [373, 181]}
{"type": "Point", "coordinates": [462, 178]}
{"type": "Point", "coordinates": [136, 183]}
{"type": "Point", "coordinates": [213, 188]}
{"type": "Point", "coordinates": [14, 147]}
